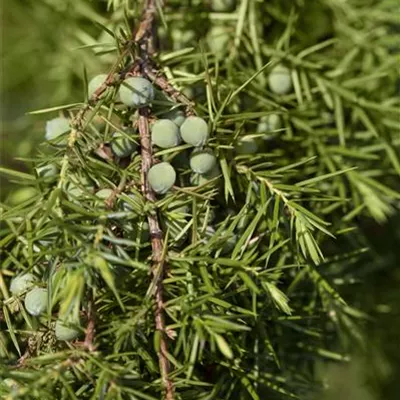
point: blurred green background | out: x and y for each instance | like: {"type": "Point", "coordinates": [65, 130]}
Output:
{"type": "Point", "coordinates": [46, 45]}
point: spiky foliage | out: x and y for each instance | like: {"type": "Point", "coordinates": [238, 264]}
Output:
{"type": "Point", "coordinates": [253, 256]}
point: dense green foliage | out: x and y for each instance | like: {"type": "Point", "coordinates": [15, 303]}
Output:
{"type": "Point", "coordinates": [262, 253]}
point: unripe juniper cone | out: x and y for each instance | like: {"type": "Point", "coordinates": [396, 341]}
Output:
{"type": "Point", "coordinates": [202, 161]}
{"type": "Point", "coordinates": [229, 243]}
{"type": "Point", "coordinates": [161, 177]}
{"type": "Point", "coordinates": [177, 116]}
{"type": "Point", "coordinates": [36, 301]}
{"type": "Point", "coordinates": [56, 127]}
{"type": "Point", "coordinates": [21, 195]}
{"type": "Point", "coordinates": [218, 39]}
{"type": "Point", "coordinates": [269, 123]}
{"type": "Point", "coordinates": [280, 80]}
{"type": "Point", "coordinates": [66, 331]}
{"type": "Point", "coordinates": [200, 179]}
{"type": "Point", "coordinates": [78, 189]}
{"type": "Point", "coordinates": [47, 171]}
{"type": "Point", "coordinates": [95, 83]}
{"type": "Point", "coordinates": [223, 5]}
{"type": "Point", "coordinates": [103, 194]}
{"type": "Point", "coordinates": [165, 134]}
{"type": "Point", "coordinates": [21, 283]}
{"type": "Point", "coordinates": [247, 145]}
{"type": "Point", "coordinates": [183, 209]}
{"type": "Point", "coordinates": [136, 92]}
{"type": "Point", "coordinates": [122, 146]}
{"type": "Point", "coordinates": [194, 131]}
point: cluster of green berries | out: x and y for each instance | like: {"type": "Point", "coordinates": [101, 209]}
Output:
{"type": "Point", "coordinates": [220, 34]}
{"type": "Point", "coordinates": [279, 78]}
{"type": "Point", "coordinates": [36, 301]}
{"type": "Point", "coordinates": [173, 129]}
{"type": "Point", "coordinates": [279, 83]}
{"type": "Point", "coordinates": [167, 132]}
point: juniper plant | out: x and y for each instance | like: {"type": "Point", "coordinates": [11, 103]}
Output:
{"type": "Point", "coordinates": [209, 269]}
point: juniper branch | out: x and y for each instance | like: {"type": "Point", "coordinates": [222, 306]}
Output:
{"type": "Point", "coordinates": [158, 267]}
{"type": "Point", "coordinates": [275, 220]}
{"type": "Point", "coordinates": [144, 37]}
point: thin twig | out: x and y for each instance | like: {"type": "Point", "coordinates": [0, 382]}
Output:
{"type": "Point", "coordinates": [118, 190]}
{"type": "Point", "coordinates": [23, 358]}
{"type": "Point", "coordinates": [158, 267]}
{"type": "Point", "coordinates": [144, 33]}
{"type": "Point", "coordinates": [91, 327]}
{"type": "Point", "coordinates": [158, 78]}
{"type": "Point", "coordinates": [144, 37]}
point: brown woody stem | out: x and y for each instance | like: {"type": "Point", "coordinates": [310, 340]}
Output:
{"type": "Point", "coordinates": [91, 327]}
{"type": "Point", "coordinates": [144, 38]}
{"type": "Point", "coordinates": [158, 267]}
